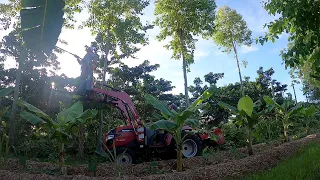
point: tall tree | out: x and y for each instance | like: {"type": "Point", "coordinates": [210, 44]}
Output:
{"type": "Point", "coordinates": [231, 31]}
{"type": "Point", "coordinates": [181, 20]}
{"type": "Point", "coordinates": [119, 30]}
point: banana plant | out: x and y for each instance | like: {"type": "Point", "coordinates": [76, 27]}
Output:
{"type": "Point", "coordinates": [41, 24]}
{"type": "Point", "coordinates": [173, 121]}
{"type": "Point", "coordinates": [246, 115]}
{"type": "Point", "coordinates": [285, 112]}
{"type": "Point", "coordinates": [60, 127]}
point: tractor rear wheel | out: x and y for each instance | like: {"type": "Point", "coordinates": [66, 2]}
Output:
{"type": "Point", "coordinates": [125, 156]}
{"type": "Point", "coordinates": [192, 146]}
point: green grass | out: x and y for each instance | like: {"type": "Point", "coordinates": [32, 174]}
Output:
{"type": "Point", "coordinates": [305, 165]}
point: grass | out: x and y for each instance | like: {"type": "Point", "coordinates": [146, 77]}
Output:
{"type": "Point", "coordinates": [304, 165]}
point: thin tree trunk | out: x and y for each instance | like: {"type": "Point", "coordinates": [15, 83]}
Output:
{"type": "Point", "coordinates": [99, 142]}
{"type": "Point", "coordinates": [184, 67]}
{"type": "Point", "coordinates": [239, 70]}
{"type": "Point", "coordinates": [61, 159]}
{"type": "Point", "coordinates": [250, 151]}
{"type": "Point", "coordinates": [294, 92]}
{"type": "Point", "coordinates": [16, 96]}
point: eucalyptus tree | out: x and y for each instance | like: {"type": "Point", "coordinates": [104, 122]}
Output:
{"type": "Point", "coordinates": [182, 20]}
{"type": "Point", "coordinates": [231, 31]}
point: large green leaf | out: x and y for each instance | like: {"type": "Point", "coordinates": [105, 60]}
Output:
{"type": "Point", "coordinates": [204, 96]}
{"type": "Point", "coordinates": [70, 114]}
{"type": "Point", "coordinates": [41, 23]}
{"type": "Point", "coordinates": [5, 92]}
{"type": "Point", "coordinates": [164, 124]}
{"type": "Point", "coordinates": [33, 109]}
{"type": "Point", "coordinates": [192, 122]}
{"type": "Point", "coordinates": [165, 111]}
{"type": "Point", "coordinates": [295, 110]}
{"type": "Point", "coordinates": [88, 114]}
{"type": "Point", "coordinates": [227, 106]}
{"type": "Point", "coordinates": [272, 102]}
{"type": "Point", "coordinates": [246, 104]}
{"type": "Point", "coordinates": [187, 113]}
{"type": "Point", "coordinates": [33, 119]}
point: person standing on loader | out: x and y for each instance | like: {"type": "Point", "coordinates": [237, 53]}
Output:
{"type": "Point", "coordinates": [88, 64]}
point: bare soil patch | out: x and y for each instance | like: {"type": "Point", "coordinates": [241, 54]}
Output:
{"type": "Point", "coordinates": [223, 165]}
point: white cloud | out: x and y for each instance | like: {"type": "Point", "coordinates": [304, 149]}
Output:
{"type": "Point", "coordinates": [247, 49]}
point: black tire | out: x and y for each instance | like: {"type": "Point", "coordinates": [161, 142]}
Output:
{"type": "Point", "coordinates": [125, 156]}
{"type": "Point", "coordinates": [191, 141]}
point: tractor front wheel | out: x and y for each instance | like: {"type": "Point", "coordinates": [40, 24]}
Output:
{"type": "Point", "coordinates": [125, 156]}
{"type": "Point", "coordinates": [191, 146]}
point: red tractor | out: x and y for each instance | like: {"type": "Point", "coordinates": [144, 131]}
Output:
{"type": "Point", "coordinates": [134, 139]}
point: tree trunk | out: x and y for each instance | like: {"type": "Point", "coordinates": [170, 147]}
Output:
{"type": "Point", "coordinates": [184, 67]}
{"type": "Point", "coordinates": [294, 92]}
{"type": "Point", "coordinates": [250, 151]}
{"type": "Point", "coordinates": [16, 96]}
{"type": "Point", "coordinates": [99, 142]}
{"type": "Point", "coordinates": [179, 158]}
{"type": "Point", "coordinates": [239, 70]}
{"type": "Point", "coordinates": [61, 158]}
{"type": "Point", "coordinates": [285, 133]}
{"type": "Point", "coordinates": [81, 141]}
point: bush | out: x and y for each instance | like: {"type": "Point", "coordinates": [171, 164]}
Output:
{"type": "Point", "coordinates": [234, 136]}
{"type": "Point", "coordinates": [41, 148]}
{"type": "Point", "coordinates": [268, 130]}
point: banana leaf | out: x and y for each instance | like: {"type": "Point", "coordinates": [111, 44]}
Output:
{"type": "Point", "coordinates": [41, 24]}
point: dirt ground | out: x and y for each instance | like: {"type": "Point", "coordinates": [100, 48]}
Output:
{"type": "Point", "coordinates": [222, 165]}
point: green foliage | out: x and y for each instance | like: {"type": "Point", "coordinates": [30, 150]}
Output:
{"type": "Point", "coordinates": [92, 165]}
{"type": "Point", "coordinates": [234, 136]}
{"type": "Point", "coordinates": [286, 112]}
{"type": "Point", "coordinates": [174, 121]}
{"type": "Point", "coordinates": [230, 30]}
{"type": "Point", "coordinates": [5, 92]}
{"type": "Point", "coordinates": [41, 23]}
{"type": "Point", "coordinates": [182, 20]}
{"type": "Point", "coordinates": [4, 149]}
{"type": "Point", "coordinates": [299, 19]}
{"type": "Point", "coordinates": [268, 129]}
{"type": "Point", "coordinates": [247, 115]}
{"type": "Point", "coordinates": [39, 147]}
{"type": "Point", "coordinates": [308, 158]}
{"type": "Point", "coordinates": [61, 127]}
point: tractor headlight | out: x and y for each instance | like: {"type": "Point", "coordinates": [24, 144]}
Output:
{"type": "Point", "coordinates": [110, 137]}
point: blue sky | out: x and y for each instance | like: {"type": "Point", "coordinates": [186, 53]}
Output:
{"type": "Point", "coordinates": [208, 58]}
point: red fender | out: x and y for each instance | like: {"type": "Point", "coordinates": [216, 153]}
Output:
{"type": "Point", "coordinates": [219, 133]}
